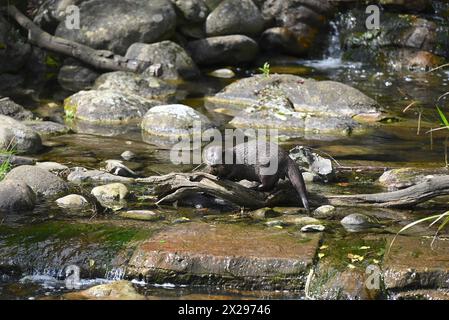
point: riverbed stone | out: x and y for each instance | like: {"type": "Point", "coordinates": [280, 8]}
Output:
{"type": "Point", "coordinates": [75, 76]}
{"type": "Point", "coordinates": [128, 155]}
{"type": "Point", "coordinates": [176, 63]}
{"type": "Point", "coordinates": [53, 167]}
{"type": "Point", "coordinates": [402, 178]}
{"type": "Point", "coordinates": [116, 167]}
{"type": "Point", "coordinates": [224, 50]}
{"type": "Point", "coordinates": [117, 290]}
{"type": "Point", "coordinates": [235, 17]}
{"type": "Point", "coordinates": [116, 24]}
{"type": "Point", "coordinates": [174, 120]}
{"type": "Point", "coordinates": [107, 106]}
{"type": "Point", "coordinates": [15, 134]}
{"type": "Point", "coordinates": [47, 128]}
{"type": "Point", "coordinates": [142, 215]}
{"type": "Point", "coordinates": [324, 212]}
{"type": "Point", "coordinates": [113, 191]}
{"type": "Point", "coordinates": [358, 221]}
{"type": "Point", "coordinates": [313, 228]}
{"type": "Point", "coordinates": [16, 195]}
{"type": "Point", "coordinates": [72, 201]}
{"type": "Point", "coordinates": [40, 180]}
{"type": "Point", "coordinates": [130, 82]}
{"type": "Point", "coordinates": [192, 10]}
{"type": "Point", "coordinates": [237, 255]}
{"type": "Point", "coordinates": [82, 175]}
{"type": "Point", "coordinates": [11, 109]}
{"type": "Point", "coordinates": [414, 262]}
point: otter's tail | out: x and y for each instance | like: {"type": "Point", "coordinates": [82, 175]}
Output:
{"type": "Point", "coordinates": [295, 177]}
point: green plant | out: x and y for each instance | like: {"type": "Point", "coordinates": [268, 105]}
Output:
{"type": "Point", "coordinates": [5, 166]}
{"type": "Point", "coordinates": [265, 69]}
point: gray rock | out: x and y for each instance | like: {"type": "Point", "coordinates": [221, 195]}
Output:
{"type": "Point", "coordinates": [313, 228]}
{"type": "Point", "coordinates": [313, 162]}
{"type": "Point", "coordinates": [113, 191]}
{"type": "Point", "coordinates": [144, 215]}
{"type": "Point", "coordinates": [47, 128]}
{"type": "Point", "coordinates": [16, 195]}
{"type": "Point", "coordinates": [324, 212]}
{"type": "Point", "coordinates": [116, 24]}
{"type": "Point", "coordinates": [51, 12]}
{"type": "Point", "coordinates": [72, 201]}
{"type": "Point", "coordinates": [192, 10]}
{"type": "Point", "coordinates": [40, 180]}
{"type": "Point", "coordinates": [357, 222]}
{"type": "Point", "coordinates": [402, 178]}
{"type": "Point", "coordinates": [107, 106]}
{"type": "Point", "coordinates": [264, 213]}
{"type": "Point", "coordinates": [232, 50]}
{"type": "Point", "coordinates": [222, 73]}
{"type": "Point", "coordinates": [14, 49]}
{"type": "Point", "coordinates": [116, 167]}
{"type": "Point", "coordinates": [174, 120]}
{"type": "Point", "coordinates": [82, 175]}
{"type": "Point", "coordinates": [75, 76]}
{"type": "Point", "coordinates": [128, 155]}
{"type": "Point", "coordinates": [129, 82]}
{"type": "Point", "coordinates": [11, 109]}
{"type": "Point", "coordinates": [16, 135]}
{"type": "Point", "coordinates": [175, 61]}
{"type": "Point", "coordinates": [53, 167]}
{"type": "Point", "coordinates": [16, 160]}
{"type": "Point", "coordinates": [299, 220]}
{"type": "Point", "coordinates": [235, 17]}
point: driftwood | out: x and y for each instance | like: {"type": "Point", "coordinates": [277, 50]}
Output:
{"type": "Point", "coordinates": [99, 59]}
{"type": "Point", "coordinates": [177, 186]}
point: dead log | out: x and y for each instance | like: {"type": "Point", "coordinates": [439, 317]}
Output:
{"type": "Point", "coordinates": [177, 186]}
{"type": "Point", "coordinates": [99, 59]}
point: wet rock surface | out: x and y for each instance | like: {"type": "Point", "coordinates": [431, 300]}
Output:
{"type": "Point", "coordinates": [11, 109]}
{"type": "Point", "coordinates": [16, 196]}
{"type": "Point", "coordinates": [406, 177]}
{"type": "Point", "coordinates": [14, 134]}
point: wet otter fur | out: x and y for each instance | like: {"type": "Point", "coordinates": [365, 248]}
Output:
{"type": "Point", "coordinates": [256, 160]}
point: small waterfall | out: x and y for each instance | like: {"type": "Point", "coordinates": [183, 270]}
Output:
{"type": "Point", "coordinates": [115, 274]}
{"type": "Point", "coordinates": [334, 50]}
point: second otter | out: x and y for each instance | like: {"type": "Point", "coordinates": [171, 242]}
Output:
{"type": "Point", "coordinates": [260, 161]}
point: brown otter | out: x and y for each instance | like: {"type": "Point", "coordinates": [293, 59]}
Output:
{"type": "Point", "coordinates": [260, 161]}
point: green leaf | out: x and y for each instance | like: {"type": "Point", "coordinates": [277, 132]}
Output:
{"type": "Point", "coordinates": [442, 117]}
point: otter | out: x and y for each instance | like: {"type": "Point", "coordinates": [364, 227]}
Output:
{"type": "Point", "coordinates": [259, 161]}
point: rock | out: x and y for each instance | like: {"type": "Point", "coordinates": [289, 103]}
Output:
{"type": "Point", "coordinates": [128, 155]}
{"type": "Point", "coordinates": [324, 212]}
{"type": "Point", "coordinates": [82, 175]}
{"type": "Point", "coordinates": [14, 134]}
{"type": "Point", "coordinates": [116, 167]}
{"type": "Point", "coordinates": [72, 201]}
{"type": "Point", "coordinates": [74, 76]}
{"type": "Point", "coordinates": [14, 49]}
{"type": "Point", "coordinates": [264, 213]}
{"type": "Point", "coordinates": [175, 61]}
{"type": "Point", "coordinates": [357, 221]}
{"type": "Point", "coordinates": [231, 50]}
{"type": "Point", "coordinates": [422, 294]}
{"type": "Point", "coordinates": [313, 228]}
{"type": "Point", "coordinates": [106, 106]}
{"type": "Point", "coordinates": [126, 22]}
{"type": "Point", "coordinates": [144, 215]}
{"type": "Point", "coordinates": [235, 17]}
{"type": "Point", "coordinates": [16, 160]}
{"type": "Point", "coordinates": [299, 220]}
{"type": "Point", "coordinates": [314, 163]}
{"type": "Point", "coordinates": [192, 10]}
{"type": "Point", "coordinates": [47, 128]}
{"type": "Point", "coordinates": [402, 178]}
{"type": "Point", "coordinates": [51, 12]}
{"type": "Point", "coordinates": [11, 109]}
{"type": "Point", "coordinates": [186, 252]}
{"type": "Point", "coordinates": [222, 73]}
{"type": "Point", "coordinates": [118, 290]}
{"type": "Point", "coordinates": [53, 167]}
{"type": "Point", "coordinates": [275, 223]}
{"type": "Point", "coordinates": [113, 191]}
{"type": "Point", "coordinates": [40, 180]}
{"type": "Point", "coordinates": [174, 120]}
{"type": "Point", "coordinates": [284, 40]}
{"type": "Point", "coordinates": [413, 263]}
{"type": "Point", "coordinates": [132, 83]}
{"type": "Point", "coordinates": [16, 196]}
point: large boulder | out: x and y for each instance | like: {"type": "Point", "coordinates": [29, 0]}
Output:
{"type": "Point", "coordinates": [41, 181]}
{"type": "Point", "coordinates": [116, 24]}
{"type": "Point", "coordinates": [192, 10]}
{"type": "Point", "coordinates": [175, 61]}
{"type": "Point", "coordinates": [75, 76]}
{"type": "Point", "coordinates": [11, 109]}
{"type": "Point", "coordinates": [132, 83]}
{"type": "Point", "coordinates": [14, 49]}
{"type": "Point", "coordinates": [106, 106]}
{"type": "Point", "coordinates": [235, 17]}
{"type": "Point", "coordinates": [223, 50]}
{"type": "Point", "coordinates": [173, 120]}
{"type": "Point", "coordinates": [402, 178]}
{"type": "Point", "coordinates": [16, 135]}
{"type": "Point", "coordinates": [15, 196]}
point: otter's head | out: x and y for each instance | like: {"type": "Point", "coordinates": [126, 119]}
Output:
{"type": "Point", "coordinates": [213, 157]}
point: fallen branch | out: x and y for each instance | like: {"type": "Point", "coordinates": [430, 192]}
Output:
{"type": "Point", "coordinates": [99, 59]}
{"type": "Point", "coordinates": [177, 186]}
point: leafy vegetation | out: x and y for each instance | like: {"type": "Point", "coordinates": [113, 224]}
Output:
{"type": "Point", "coordinates": [265, 69]}
{"type": "Point", "coordinates": [5, 161]}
